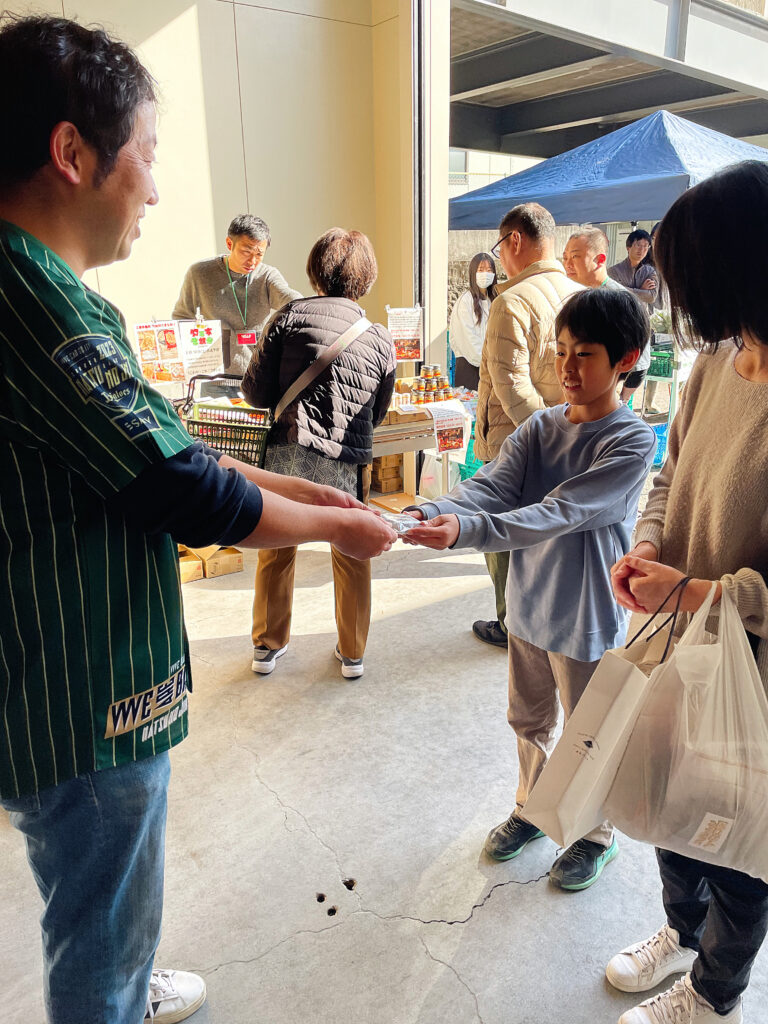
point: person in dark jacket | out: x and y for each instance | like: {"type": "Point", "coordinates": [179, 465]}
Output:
{"type": "Point", "coordinates": [325, 434]}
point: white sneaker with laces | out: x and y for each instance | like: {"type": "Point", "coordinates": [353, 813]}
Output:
{"type": "Point", "coordinates": [264, 658]}
{"type": "Point", "coordinates": [351, 668]}
{"type": "Point", "coordinates": [641, 967]}
{"type": "Point", "coordinates": [680, 1004]}
{"type": "Point", "coordinates": [173, 996]}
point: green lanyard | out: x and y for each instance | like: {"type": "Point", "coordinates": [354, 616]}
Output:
{"type": "Point", "coordinates": [243, 314]}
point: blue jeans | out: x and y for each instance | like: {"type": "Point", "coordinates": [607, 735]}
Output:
{"type": "Point", "coordinates": [96, 845]}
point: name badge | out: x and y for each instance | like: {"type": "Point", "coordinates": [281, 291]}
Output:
{"type": "Point", "coordinates": [246, 338]}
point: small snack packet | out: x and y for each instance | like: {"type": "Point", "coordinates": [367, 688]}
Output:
{"type": "Point", "coordinates": [400, 522]}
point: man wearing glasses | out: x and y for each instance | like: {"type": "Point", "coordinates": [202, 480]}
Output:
{"type": "Point", "coordinates": [238, 288]}
{"type": "Point", "coordinates": [517, 369]}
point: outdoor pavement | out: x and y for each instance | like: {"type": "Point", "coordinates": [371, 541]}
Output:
{"type": "Point", "coordinates": [293, 784]}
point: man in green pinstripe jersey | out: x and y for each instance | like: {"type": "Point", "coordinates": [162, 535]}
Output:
{"type": "Point", "coordinates": [98, 481]}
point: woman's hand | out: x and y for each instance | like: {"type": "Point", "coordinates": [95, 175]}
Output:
{"type": "Point", "coordinates": [439, 533]}
{"type": "Point", "coordinates": [652, 583]}
{"type": "Point", "coordinates": [622, 571]}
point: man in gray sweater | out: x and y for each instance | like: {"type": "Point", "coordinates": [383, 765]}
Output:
{"type": "Point", "coordinates": [237, 288]}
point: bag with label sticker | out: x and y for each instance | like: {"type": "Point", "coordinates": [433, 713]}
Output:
{"type": "Point", "coordinates": [567, 800]}
{"type": "Point", "coordinates": [694, 776]}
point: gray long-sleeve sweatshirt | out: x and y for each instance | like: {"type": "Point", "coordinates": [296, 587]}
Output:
{"type": "Point", "coordinates": [562, 497]}
{"type": "Point", "coordinates": [207, 286]}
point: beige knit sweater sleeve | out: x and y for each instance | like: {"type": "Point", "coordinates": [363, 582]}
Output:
{"type": "Point", "coordinates": [746, 586]}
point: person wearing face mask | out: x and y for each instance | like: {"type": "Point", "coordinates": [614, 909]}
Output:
{"type": "Point", "coordinates": [238, 289]}
{"type": "Point", "coordinates": [469, 318]}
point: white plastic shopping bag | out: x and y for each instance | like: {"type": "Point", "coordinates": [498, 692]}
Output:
{"type": "Point", "coordinates": [694, 777]}
{"type": "Point", "coordinates": [567, 800]}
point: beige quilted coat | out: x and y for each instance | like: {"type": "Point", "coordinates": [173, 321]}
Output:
{"type": "Point", "coordinates": [517, 369]}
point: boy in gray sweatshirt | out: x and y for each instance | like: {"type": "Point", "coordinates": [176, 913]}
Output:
{"type": "Point", "coordinates": [562, 497]}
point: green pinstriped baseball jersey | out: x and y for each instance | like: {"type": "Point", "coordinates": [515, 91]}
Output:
{"type": "Point", "coordinates": [93, 653]}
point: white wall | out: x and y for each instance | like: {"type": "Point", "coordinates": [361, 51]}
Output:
{"type": "Point", "coordinates": [268, 107]}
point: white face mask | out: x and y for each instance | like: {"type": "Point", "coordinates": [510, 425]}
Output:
{"type": "Point", "coordinates": [484, 278]}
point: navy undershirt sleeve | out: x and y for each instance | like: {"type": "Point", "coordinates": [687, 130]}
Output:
{"type": "Point", "coordinates": [193, 498]}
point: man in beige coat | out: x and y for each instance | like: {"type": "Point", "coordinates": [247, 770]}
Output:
{"type": "Point", "coordinates": [517, 369]}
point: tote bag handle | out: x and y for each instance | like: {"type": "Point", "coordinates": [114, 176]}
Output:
{"type": "Point", "coordinates": [325, 359]}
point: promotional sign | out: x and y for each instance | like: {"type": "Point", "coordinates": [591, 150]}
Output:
{"type": "Point", "coordinates": [452, 425]}
{"type": "Point", "coordinates": [405, 326]}
{"type": "Point", "coordinates": [175, 350]}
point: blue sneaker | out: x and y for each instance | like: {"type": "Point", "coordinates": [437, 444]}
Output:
{"type": "Point", "coordinates": [581, 864]}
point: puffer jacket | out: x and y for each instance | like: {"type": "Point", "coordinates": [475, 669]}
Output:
{"type": "Point", "coordinates": [517, 369]}
{"type": "Point", "coordinates": [335, 415]}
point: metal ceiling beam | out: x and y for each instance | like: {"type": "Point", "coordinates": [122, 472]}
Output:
{"type": "Point", "coordinates": [532, 54]}
{"type": "Point", "coordinates": [533, 79]}
{"type": "Point", "coordinates": [519, 20]}
{"type": "Point", "coordinates": [474, 127]}
{"type": "Point", "coordinates": [660, 89]}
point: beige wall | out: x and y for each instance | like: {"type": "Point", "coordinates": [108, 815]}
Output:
{"type": "Point", "coordinates": [295, 110]}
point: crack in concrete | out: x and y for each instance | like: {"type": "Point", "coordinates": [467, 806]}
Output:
{"type": "Point", "coordinates": [286, 807]}
{"type": "Point", "coordinates": [462, 920]}
{"type": "Point", "coordinates": [456, 974]}
{"type": "Point", "coordinates": [266, 952]}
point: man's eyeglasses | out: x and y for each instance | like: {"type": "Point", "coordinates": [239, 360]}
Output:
{"type": "Point", "coordinates": [495, 251]}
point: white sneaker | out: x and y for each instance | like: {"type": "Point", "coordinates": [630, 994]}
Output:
{"type": "Point", "coordinates": [351, 668]}
{"type": "Point", "coordinates": [173, 996]}
{"type": "Point", "coordinates": [264, 659]}
{"type": "Point", "coordinates": [641, 967]}
{"type": "Point", "coordinates": [679, 1005]}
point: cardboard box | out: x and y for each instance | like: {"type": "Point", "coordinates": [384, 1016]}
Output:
{"type": "Point", "coordinates": [190, 566]}
{"type": "Point", "coordinates": [217, 561]}
{"type": "Point", "coordinates": [386, 462]}
{"type": "Point", "coordinates": [224, 561]}
{"type": "Point", "coordinates": [404, 417]}
{"type": "Point", "coordinates": [388, 486]}
{"type": "Point", "coordinates": [386, 474]}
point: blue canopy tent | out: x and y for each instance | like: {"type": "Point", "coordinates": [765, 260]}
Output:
{"type": "Point", "coordinates": [635, 173]}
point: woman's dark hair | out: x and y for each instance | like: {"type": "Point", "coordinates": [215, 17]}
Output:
{"type": "Point", "coordinates": [716, 294]}
{"type": "Point", "coordinates": [342, 263]}
{"type": "Point", "coordinates": [638, 235]}
{"type": "Point", "coordinates": [611, 317]}
{"type": "Point", "coordinates": [477, 292]}
{"type": "Point", "coordinates": [53, 70]}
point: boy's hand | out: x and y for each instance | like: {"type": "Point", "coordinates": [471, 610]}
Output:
{"type": "Point", "coordinates": [623, 571]}
{"type": "Point", "coordinates": [439, 533]}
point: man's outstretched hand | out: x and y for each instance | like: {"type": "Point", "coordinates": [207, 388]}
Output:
{"type": "Point", "coordinates": [362, 534]}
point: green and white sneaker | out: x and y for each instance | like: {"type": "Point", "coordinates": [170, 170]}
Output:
{"type": "Point", "coordinates": [581, 864]}
{"type": "Point", "coordinates": [510, 838]}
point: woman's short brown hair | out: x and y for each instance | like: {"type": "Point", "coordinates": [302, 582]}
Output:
{"type": "Point", "coordinates": [342, 264]}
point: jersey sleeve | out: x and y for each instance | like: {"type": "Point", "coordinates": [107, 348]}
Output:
{"type": "Point", "coordinates": [70, 383]}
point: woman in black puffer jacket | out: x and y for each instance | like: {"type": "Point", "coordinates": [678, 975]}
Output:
{"type": "Point", "coordinates": [325, 434]}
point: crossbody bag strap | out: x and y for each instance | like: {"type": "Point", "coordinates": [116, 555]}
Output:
{"type": "Point", "coordinates": [325, 359]}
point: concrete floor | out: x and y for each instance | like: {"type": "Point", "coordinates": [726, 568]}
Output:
{"type": "Point", "coordinates": [293, 783]}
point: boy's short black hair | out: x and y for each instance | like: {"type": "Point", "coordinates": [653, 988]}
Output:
{"type": "Point", "coordinates": [611, 317]}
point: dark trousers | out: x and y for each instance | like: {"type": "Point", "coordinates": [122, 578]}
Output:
{"type": "Point", "coordinates": [721, 913]}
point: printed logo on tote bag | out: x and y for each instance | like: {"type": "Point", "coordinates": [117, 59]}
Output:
{"type": "Point", "coordinates": [712, 832]}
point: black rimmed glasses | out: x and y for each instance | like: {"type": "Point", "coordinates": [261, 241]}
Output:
{"type": "Point", "coordinates": [495, 251]}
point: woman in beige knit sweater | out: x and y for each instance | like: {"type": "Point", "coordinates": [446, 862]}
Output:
{"type": "Point", "coordinates": [706, 518]}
